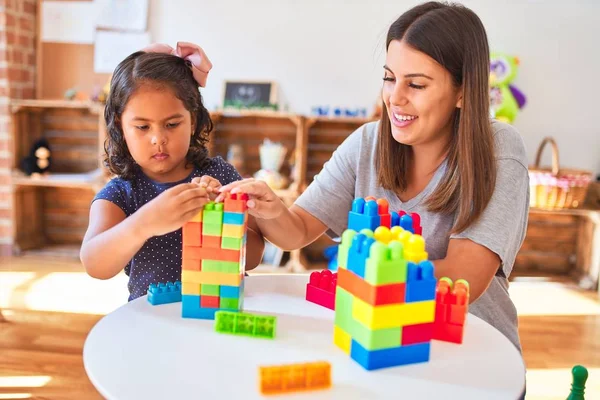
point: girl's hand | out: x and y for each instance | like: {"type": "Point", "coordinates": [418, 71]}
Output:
{"type": "Point", "coordinates": [211, 184]}
{"type": "Point", "coordinates": [263, 203]}
{"type": "Point", "coordinates": [171, 209]}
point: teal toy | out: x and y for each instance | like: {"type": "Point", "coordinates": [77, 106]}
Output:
{"type": "Point", "coordinates": [580, 375]}
{"type": "Point", "coordinates": [505, 99]}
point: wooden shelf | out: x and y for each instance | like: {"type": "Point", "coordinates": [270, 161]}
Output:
{"type": "Point", "coordinates": [91, 181]}
{"type": "Point", "coordinates": [54, 251]}
{"type": "Point", "coordinates": [18, 104]}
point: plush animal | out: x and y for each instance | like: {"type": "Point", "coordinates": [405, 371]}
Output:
{"type": "Point", "coordinates": [38, 161]}
{"type": "Point", "coordinates": [505, 99]}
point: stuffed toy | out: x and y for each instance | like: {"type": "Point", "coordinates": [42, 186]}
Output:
{"type": "Point", "coordinates": [38, 161]}
{"type": "Point", "coordinates": [505, 99]}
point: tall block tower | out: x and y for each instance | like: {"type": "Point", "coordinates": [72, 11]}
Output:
{"type": "Point", "coordinates": [386, 289]}
{"type": "Point", "coordinates": [214, 258]}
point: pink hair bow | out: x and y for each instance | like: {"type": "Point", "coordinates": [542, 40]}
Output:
{"type": "Point", "coordinates": [201, 65]}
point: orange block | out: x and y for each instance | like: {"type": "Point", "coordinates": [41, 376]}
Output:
{"type": "Point", "coordinates": [207, 253]}
{"type": "Point", "coordinates": [191, 252]}
{"type": "Point", "coordinates": [192, 234]}
{"type": "Point", "coordinates": [191, 265]}
{"type": "Point", "coordinates": [211, 241]}
{"type": "Point", "coordinates": [394, 293]}
{"type": "Point", "coordinates": [235, 202]}
{"type": "Point", "coordinates": [295, 377]}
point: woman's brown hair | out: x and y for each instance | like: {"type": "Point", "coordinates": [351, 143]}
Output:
{"type": "Point", "coordinates": [453, 36]}
{"type": "Point", "coordinates": [159, 69]}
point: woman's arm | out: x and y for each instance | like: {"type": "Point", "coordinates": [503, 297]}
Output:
{"type": "Point", "coordinates": [468, 260]}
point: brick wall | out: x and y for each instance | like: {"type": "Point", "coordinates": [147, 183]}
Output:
{"type": "Point", "coordinates": [17, 81]}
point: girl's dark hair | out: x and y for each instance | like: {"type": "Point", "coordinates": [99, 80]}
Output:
{"type": "Point", "coordinates": [152, 68]}
{"type": "Point", "coordinates": [453, 36]}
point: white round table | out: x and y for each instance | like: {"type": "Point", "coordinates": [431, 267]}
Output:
{"type": "Point", "coordinates": [141, 351]}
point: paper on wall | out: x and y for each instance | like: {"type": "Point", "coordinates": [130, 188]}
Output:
{"type": "Point", "coordinates": [68, 21]}
{"type": "Point", "coordinates": [124, 15]}
{"type": "Point", "coordinates": [112, 47]}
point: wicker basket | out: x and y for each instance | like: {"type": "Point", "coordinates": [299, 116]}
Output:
{"type": "Point", "coordinates": [556, 188]}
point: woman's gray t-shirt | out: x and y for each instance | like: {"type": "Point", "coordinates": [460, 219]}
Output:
{"type": "Point", "coordinates": [351, 173]}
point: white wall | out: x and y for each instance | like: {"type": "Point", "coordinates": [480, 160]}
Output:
{"type": "Point", "coordinates": [330, 52]}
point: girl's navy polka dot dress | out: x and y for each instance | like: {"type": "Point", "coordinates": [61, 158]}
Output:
{"type": "Point", "coordinates": [159, 260]}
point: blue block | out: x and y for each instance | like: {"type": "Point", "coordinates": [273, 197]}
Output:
{"type": "Point", "coordinates": [230, 292]}
{"type": "Point", "coordinates": [406, 223]}
{"type": "Point", "coordinates": [164, 293]}
{"type": "Point", "coordinates": [364, 215]}
{"type": "Point", "coordinates": [358, 254]}
{"type": "Point", "coordinates": [386, 358]}
{"type": "Point", "coordinates": [395, 219]}
{"type": "Point", "coordinates": [190, 308]}
{"type": "Point", "coordinates": [420, 282]}
{"type": "Point", "coordinates": [233, 218]}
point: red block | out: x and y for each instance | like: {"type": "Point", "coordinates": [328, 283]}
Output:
{"type": "Point", "coordinates": [192, 234]}
{"type": "Point", "coordinates": [209, 301]}
{"type": "Point", "coordinates": [417, 223]}
{"type": "Point", "coordinates": [385, 218]}
{"type": "Point", "coordinates": [321, 288]}
{"type": "Point", "coordinates": [421, 333]}
{"type": "Point", "coordinates": [448, 332]}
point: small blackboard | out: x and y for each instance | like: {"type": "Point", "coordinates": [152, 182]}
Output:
{"type": "Point", "coordinates": [250, 95]}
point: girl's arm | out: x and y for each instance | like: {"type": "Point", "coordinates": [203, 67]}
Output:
{"type": "Point", "coordinates": [112, 239]}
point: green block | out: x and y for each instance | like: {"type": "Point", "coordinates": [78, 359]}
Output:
{"type": "Point", "coordinates": [344, 248]}
{"type": "Point", "coordinates": [209, 290]}
{"type": "Point", "coordinates": [212, 229]}
{"type": "Point", "coordinates": [231, 243]}
{"type": "Point", "coordinates": [343, 309]}
{"type": "Point", "coordinates": [229, 304]}
{"type": "Point", "coordinates": [213, 214]}
{"type": "Point", "coordinates": [386, 264]}
{"type": "Point", "coordinates": [211, 266]}
{"type": "Point", "coordinates": [245, 324]}
{"type": "Point", "coordinates": [230, 267]}
{"type": "Point", "coordinates": [376, 339]}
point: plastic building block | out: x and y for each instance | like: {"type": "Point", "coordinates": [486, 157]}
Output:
{"type": "Point", "coordinates": [579, 375]}
{"type": "Point", "coordinates": [373, 294]}
{"type": "Point", "coordinates": [358, 253]}
{"type": "Point", "coordinates": [234, 218]}
{"type": "Point", "coordinates": [211, 241]}
{"type": "Point", "coordinates": [420, 333]}
{"type": "Point", "coordinates": [420, 282]}
{"type": "Point", "coordinates": [190, 288]}
{"type": "Point", "coordinates": [406, 223]}
{"type": "Point", "coordinates": [291, 378]}
{"type": "Point", "coordinates": [213, 214]}
{"type": "Point", "coordinates": [210, 290]}
{"type": "Point", "coordinates": [417, 228]}
{"type": "Point", "coordinates": [414, 249]}
{"type": "Point", "coordinates": [386, 264]}
{"type": "Point", "coordinates": [192, 234]}
{"type": "Point", "coordinates": [452, 304]}
{"type": "Point", "coordinates": [344, 248]}
{"type": "Point", "coordinates": [402, 355]}
{"type": "Point", "coordinates": [164, 293]}
{"type": "Point", "coordinates": [321, 288]}
{"type": "Point", "coordinates": [212, 229]}
{"type": "Point", "coordinates": [239, 323]}
{"type": "Point", "coordinates": [389, 316]}
{"type": "Point", "coordinates": [209, 301]}
{"type": "Point", "coordinates": [385, 219]}
{"type": "Point", "coordinates": [211, 278]}
{"type": "Point", "coordinates": [230, 291]}
{"type": "Point", "coordinates": [364, 214]}
{"type": "Point", "coordinates": [235, 202]}
{"type": "Point", "coordinates": [231, 243]}
{"type": "Point", "coordinates": [233, 231]}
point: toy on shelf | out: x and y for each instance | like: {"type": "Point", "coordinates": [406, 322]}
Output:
{"type": "Point", "coordinates": [164, 293]}
{"type": "Point", "coordinates": [214, 257]}
{"type": "Point", "coordinates": [451, 308]}
{"type": "Point", "coordinates": [385, 296]}
{"type": "Point", "coordinates": [292, 378]}
{"type": "Point", "coordinates": [39, 160]}
{"type": "Point", "coordinates": [245, 324]}
{"type": "Point", "coordinates": [505, 99]}
{"type": "Point", "coordinates": [321, 288]}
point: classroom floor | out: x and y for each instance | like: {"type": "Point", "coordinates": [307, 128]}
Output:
{"type": "Point", "coordinates": [50, 306]}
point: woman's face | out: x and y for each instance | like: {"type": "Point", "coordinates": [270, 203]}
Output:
{"type": "Point", "coordinates": [419, 95]}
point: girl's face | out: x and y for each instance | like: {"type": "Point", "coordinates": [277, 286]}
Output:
{"type": "Point", "coordinates": [158, 129]}
{"type": "Point", "coordinates": [419, 95]}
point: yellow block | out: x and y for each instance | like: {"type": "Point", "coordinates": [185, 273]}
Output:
{"type": "Point", "coordinates": [197, 217]}
{"type": "Point", "coordinates": [342, 339]}
{"type": "Point", "coordinates": [395, 315]}
{"type": "Point", "coordinates": [233, 231]}
{"type": "Point", "coordinates": [211, 278]}
{"type": "Point", "coordinates": [190, 288]}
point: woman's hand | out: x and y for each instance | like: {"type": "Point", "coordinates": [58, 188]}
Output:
{"type": "Point", "coordinates": [171, 209]}
{"type": "Point", "coordinates": [211, 185]}
{"type": "Point", "coordinates": [262, 202]}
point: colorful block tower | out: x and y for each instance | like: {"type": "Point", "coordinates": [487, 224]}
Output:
{"type": "Point", "coordinates": [213, 259]}
{"type": "Point", "coordinates": [385, 296]}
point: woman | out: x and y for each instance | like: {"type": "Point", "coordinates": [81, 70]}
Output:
{"type": "Point", "coordinates": [435, 152]}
